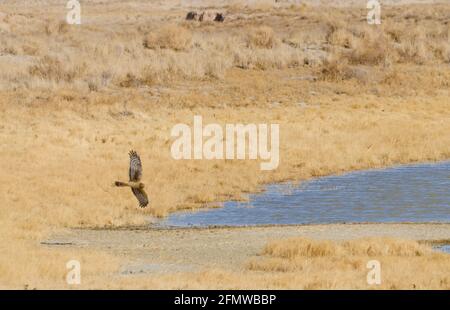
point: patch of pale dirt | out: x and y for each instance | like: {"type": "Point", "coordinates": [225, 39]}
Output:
{"type": "Point", "coordinates": [156, 251]}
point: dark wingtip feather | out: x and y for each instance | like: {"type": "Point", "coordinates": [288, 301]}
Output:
{"type": "Point", "coordinates": [133, 153]}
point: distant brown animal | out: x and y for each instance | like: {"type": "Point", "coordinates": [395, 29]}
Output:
{"type": "Point", "coordinates": [205, 16]}
{"type": "Point", "coordinates": [192, 16]}
{"type": "Point", "coordinates": [219, 18]}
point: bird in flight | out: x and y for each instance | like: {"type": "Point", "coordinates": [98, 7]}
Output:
{"type": "Point", "coordinates": [135, 174]}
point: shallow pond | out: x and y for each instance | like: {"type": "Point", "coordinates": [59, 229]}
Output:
{"type": "Point", "coordinates": [407, 193]}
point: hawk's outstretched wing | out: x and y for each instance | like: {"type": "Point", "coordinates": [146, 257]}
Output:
{"type": "Point", "coordinates": [135, 171]}
{"type": "Point", "coordinates": [141, 197]}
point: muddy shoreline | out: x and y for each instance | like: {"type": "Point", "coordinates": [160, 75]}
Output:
{"type": "Point", "coordinates": [156, 251]}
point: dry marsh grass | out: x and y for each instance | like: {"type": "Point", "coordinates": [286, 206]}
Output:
{"type": "Point", "coordinates": [169, 37]}
{"type": "Point", "coordinates": [371, 247]}
{"type": "Point", "coordinates": [168, 48]}
{"type": "Point", "coordinates": [75, 99]}
{"type": "Point", "coordinates": [324, 264]}
{"type": "Point", "coordinates": [262, 37]}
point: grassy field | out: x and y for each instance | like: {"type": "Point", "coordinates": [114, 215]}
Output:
{"type": "Point", "coordinates": [74, 99]}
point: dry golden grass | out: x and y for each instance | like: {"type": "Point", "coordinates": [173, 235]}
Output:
{"type": "Point", "coordinates": [323, 264]}
{"type": "Point", "coordinates": [170, 36]}
{"type": "Point", "coordinates": [142, 51]}
{"type": "Point", "coordinates": [29, 266]}
{"type": "Point", "coordinates": [372, 247]}
{"type": "Point", "coordinates": [262, 37]}
{"type": "Point", "coordinates": [75, 99]}
{"type": "Point", "coordinates": [65, 161]}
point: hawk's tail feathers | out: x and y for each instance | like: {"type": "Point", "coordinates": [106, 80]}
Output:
{"type": "Point", "coordinates": [118, 183]}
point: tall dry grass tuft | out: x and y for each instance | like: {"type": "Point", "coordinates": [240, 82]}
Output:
{"type": "Point", "coordinates": [371, 48]}
{"type": "Point", "coordinates": [413, 47]}
{"type": "Point", "coordinates": [302, 247]}
{"type": "Point", "coordinates": [386, 247]}
{"type": "Point", "coordinates": [292, 248]}
{"type": "Point", "coordinates": [334, 69]}
{"type": "Point", "coordinates": [262, 37]}
{"type": "Point", "coordinates": [53, 69]}
{"type": "Point", "coordinates": [56, 27]}
{"type": "Point", "coordinates": [172, 37]}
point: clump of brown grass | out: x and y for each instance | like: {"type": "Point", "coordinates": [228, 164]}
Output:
{"type": "Point", "coordinates": [385, 247]}
{"type": "Point", "coordinates": [335, 69]}
{"type": "Point", "coordinates": [172, 37]}
{"type": "Point", "coordinates": [444, 51]}
{"type": "Point", "coordinates": [168, 65]}
{"type": "Point", "coordinates": [413, 47]}
{"type": "Point", "coordinates": [51, 68]}
{"type": "Point", "coordinates": [281, 57]}
{"type": "Point", "coordinates": [360, 44]}
{"type": "Point", "coordinates": [302, 247]}
{"type": "Point", "coordinates": [341, 37]}
{"type": "Point", "coordinates": [262, 37]}
{"type": "Point", "coordinates": [54, 28]}
{"type": "Point", "coordinates": [371, 48]}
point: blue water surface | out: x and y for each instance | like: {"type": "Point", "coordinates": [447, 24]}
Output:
{"type": "Point", "coordinates": [407, 193]}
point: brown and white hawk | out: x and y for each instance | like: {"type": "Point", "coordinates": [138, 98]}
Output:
{"type": "Point", "coordinates": [135, 174]}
